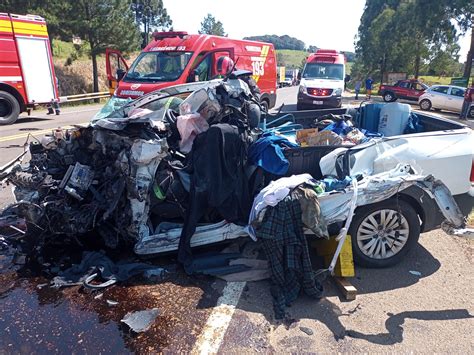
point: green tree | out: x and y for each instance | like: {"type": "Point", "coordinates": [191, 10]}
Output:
{"type": "Point", "coordinates": [150, 15]}
{"type": "Point", "coordinates": [445, 62]}
{"type": "Point", "coordinates": [403, 34]}
{"type": "Point", "coordinates": [51, 10]}
{"type": "Point", "coordinates": [104, 24]}
{"type": "Point", "coordinates": [312, 49]}
{"type": "Point", "coordinates": [211, 26]}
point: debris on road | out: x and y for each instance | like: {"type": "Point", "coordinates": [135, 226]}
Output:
{"type": "Point", "coordinates": [140, 321]}
{"type": "Point", "coordinates": [307, 330]}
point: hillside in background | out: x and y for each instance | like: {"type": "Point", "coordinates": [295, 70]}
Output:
{"type": "Point", "coordinates": [291, 59]}
{"type": "Point", "coordinates": [280, 42]}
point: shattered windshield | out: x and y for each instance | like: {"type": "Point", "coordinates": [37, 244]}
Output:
{"type": "Point", "coordinates": [158, 66]}
{"type": "Point", "coordinates": [323, 71]}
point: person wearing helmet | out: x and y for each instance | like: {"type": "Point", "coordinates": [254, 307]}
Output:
{"type": "Point", "coordinates": [224, 66]}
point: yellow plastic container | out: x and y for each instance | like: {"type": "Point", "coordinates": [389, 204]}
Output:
{"type": "Point", "coordinates": [345, 261]}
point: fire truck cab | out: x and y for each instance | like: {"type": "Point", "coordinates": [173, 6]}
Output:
{"type": "Point", "coordinates": [26, 66]}
{"type": "Point", "coordinates": [174, 58]}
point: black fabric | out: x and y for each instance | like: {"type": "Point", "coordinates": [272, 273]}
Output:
{"type": "Point", "coordinates": [95, 262]}
{"type": "Point", "coordinates": [286, 249]}
{"type": "Point", "coordinates": [217, 163]}
{"type": "Point", "coordinates": [254, 89]}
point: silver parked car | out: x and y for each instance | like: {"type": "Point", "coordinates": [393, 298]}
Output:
{"type": "Point", "coordinates": [444, 97]}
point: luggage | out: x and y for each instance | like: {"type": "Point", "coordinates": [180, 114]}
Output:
{"type": "Point", "coordinates": [393, 119]}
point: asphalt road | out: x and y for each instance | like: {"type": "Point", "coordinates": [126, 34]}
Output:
{"type": "Point", "coordinates": [428, 311]}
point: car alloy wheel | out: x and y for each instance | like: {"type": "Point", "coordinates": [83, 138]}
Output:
{"type": "Point", "coordinates": [382, 234]}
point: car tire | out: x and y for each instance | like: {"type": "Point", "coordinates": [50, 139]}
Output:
{"type": "Point", "coordinates": [389, 96]}
{"type": "Point", "coordinates": [425, 105]}
{"type": "Point", "coordinates": [9, 108]}
{"type": "Point", "coordinates": [471, 112]}
{"type": "Point", "coordinates": [265, 105]}
{"type": "Point", "coordinates": [376, 246]}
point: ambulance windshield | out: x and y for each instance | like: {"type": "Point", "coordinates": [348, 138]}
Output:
{"type": "Point", "coordinates": [158, 66]}
{"type": "Point", "coordinates": [323, 71]}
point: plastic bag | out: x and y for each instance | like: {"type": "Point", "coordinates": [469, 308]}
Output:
{"type": "Point", "coordinates": [189, 126]}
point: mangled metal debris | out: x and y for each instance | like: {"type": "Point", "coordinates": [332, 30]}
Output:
{"type": "Point", "coordinates": [141, 321]}
{"type": "Point", "coordinates": [130, 177]}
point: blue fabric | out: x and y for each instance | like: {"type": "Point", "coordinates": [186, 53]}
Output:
{"type": "Point", "coordinates": [340, 127]}
{"type": "Point", "coordinates": [414, 125]}
{"type": "Point", "coordinates": [335, 184]}
{"type": "Point", "coordinates": [267, 153]}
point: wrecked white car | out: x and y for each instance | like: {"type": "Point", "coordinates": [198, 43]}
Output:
{"type": "Point", "coordinates": [171, 171]}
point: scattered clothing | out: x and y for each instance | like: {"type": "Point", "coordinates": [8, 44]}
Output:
{"type": "Point", "coordinates": [217, 164]}
{"type": "Point", "coordinates": [258, 270]}
{"type": "Point", "coordinates": [97, 263]}
{"type": "Point", "coordinates": [333, 184]}
{"type": "Point", "coordinates": [286, 249]}
{"type": "Point", "coordinates": [273, 193]}
{"type": "Point", "coordinates": [414, 125]}
{"type": "Point", "coordinates": [189, 126]}
{"type": "Point", "coordinates": [339, 127]}
{"type": "Point", "coordinates": [267, 153]}
{"type": "Point", "coordinates": [311, 215]}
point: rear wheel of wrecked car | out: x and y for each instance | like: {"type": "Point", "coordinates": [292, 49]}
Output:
{"type": "Point", "coordinates": [265, 105]}
{"type": "Point", "coordinates": [383, 233]}
{"type": "Point", "coordinates": [425, 105]}
{"type": "Point", "coordinates": [9, 108]}
{"type": "Point", "coordinates": [388, 97]}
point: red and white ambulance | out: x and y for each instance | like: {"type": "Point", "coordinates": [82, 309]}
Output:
{"type": "Point", "coordinates": [26, 65]}
{"type": "Point", "coordinates": [174, 58]}
{"type": "Point", "coordinates": [322, 80]}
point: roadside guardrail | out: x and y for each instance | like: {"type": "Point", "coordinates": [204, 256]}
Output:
{"type": "Point", "coordinates": [80, 97]}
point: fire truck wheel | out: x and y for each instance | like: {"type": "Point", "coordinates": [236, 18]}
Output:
{"type": "Point", "coordinates": [9, 108]}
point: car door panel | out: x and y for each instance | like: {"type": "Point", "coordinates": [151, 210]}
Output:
{"type": "Point", "coordinates": [455, 99]}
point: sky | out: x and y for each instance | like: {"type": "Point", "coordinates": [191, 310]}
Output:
{"type": "Point", "coordinates": [330, 24]}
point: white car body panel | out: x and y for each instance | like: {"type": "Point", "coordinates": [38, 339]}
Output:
{"type": "Point", "coordinates": [447, 155]}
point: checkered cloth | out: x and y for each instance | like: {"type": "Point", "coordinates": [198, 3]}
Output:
{"type": "Point", "coordinates": [286, 249]}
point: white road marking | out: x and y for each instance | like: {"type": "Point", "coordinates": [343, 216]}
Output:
{"type": "Point", "coordinates": [210, 340]}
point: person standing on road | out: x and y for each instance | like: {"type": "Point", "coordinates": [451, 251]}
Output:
{"type": "Point", "coordinates": [368, 87]}
{"type": "Point", "coordinates": [468, 100]}
{"type": "Point", "coordinates": [357, 86]}
{"type": "Point", "coordinates": [54, 104]}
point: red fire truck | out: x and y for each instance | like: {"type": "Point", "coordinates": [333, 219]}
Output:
{"type": "Point", "coordinates": [26, 66]}
{"type": "Point", "coordinates": [176, 58]}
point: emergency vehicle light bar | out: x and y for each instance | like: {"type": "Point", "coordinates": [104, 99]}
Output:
{"type": "Point", "coordinates": [162, 35]}
{"type": "Point", "coordinates": [326, 51]}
